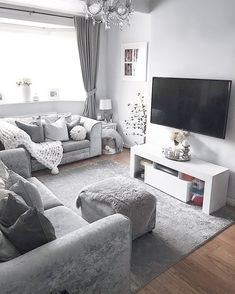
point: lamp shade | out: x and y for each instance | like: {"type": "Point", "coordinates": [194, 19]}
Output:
{"type": "Point", "coordinates": [105, 104]}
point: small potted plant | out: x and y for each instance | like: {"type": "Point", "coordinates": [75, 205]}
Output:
{"type": "Point", "coordinates": [25, 84]}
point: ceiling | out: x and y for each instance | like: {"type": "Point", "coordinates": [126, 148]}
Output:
{"type": "Point", "coordinates": [68, 6]}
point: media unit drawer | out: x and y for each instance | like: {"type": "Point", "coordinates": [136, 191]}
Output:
{"type": "Point", "coordinates": [168, 183]}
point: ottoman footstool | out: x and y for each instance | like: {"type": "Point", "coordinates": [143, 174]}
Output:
{"type": "Point", "coordinates": [119, 195]}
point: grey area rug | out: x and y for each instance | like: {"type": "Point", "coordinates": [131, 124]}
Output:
{"type": "Point", "coordinates": [180, 228]}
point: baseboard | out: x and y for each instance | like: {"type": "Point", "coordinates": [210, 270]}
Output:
{"type": "Point", "coordinates": [231, 201]}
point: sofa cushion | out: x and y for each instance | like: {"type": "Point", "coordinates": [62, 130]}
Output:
{"type": "Point", "coordinates": [4, 193]}
{"type": "Point", "coordinates": [7, 250]}
{"type": "Point", "coordinates": [56, 131]}
{"type": "Point", "coordinates": [31, 230]}
{"type": "Point", "coordinates": [11, 209]}
{"type": "Point", "coordinates": [64, 220]}
{"type": "Point", "coordinates": [73, 124]}
{"type": "Point", "coordinates": [29, 192]}
{"type": "Point", "coordinates": [75, 145]}
{"type": "Point", "coordinates": [13, 179]}
{"type": "Point", "coordinates": [49, 200]}
{"type": "Point", "coordinates": [4, 174]}
{"type": "Point", "coordinates": [78, 133]}
{"type": "Point", "coordinates": [34, 130]}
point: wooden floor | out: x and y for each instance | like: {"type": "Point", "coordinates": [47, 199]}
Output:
{"type": "Point", "coordinates": [210, 269]}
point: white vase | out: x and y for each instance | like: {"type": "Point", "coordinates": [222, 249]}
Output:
{"type": "Point", "coordinates": [26, 93]}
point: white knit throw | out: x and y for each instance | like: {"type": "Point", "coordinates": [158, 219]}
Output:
{"type": "Point", "coordinates": [49, 153]}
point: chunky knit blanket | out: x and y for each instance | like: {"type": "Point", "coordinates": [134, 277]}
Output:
{"type": "Point", "coordinates": [48, 153]}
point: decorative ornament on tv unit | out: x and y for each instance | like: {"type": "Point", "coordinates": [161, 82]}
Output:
{"type": "Point", "coordinates": [180, 151]}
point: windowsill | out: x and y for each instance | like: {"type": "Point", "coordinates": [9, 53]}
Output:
{"type": "Point", "coordinates": [35, 102]}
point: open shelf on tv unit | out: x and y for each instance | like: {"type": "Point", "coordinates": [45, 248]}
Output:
{"type": "Point", "coordinates": [215, 177]}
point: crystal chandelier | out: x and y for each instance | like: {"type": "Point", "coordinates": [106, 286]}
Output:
{"type": "Point", "coordinates": [116, 12]}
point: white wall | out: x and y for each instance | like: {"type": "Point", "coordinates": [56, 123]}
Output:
{"type": "Point", "coordinates": [124, 92]}
{"type": "Point", "coordinates": [41, 107]}
{"type": "Point", "coordinates": [196, 39]}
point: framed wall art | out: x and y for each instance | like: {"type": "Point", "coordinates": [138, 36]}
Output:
{"type": "Point", "coordinates": [134, 61]}
{"type": "Point", "coordinates": [53, 94]}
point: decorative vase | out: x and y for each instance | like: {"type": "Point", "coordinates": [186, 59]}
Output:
{"type": "Point", "coordinates": [26, 93]}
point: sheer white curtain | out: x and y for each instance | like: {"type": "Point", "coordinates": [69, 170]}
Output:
{"type": "Point", "coordinates": [47, 56]}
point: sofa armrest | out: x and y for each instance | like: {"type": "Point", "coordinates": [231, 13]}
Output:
{"type": "Point", "coordinates": [93, 259]}
{"type": "Point", "coordinates": [94, 134]}
{"type": "Point", "coordinates": [17, 160]}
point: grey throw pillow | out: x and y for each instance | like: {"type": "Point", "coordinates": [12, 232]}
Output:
{"type": "Point", "coordinates": [13, 178]}
{"type": "Point", "coordinates": [74, 123]}
{"type": "Point", "coordinates": [67, 116]}
{"type": "Point", "coordinates": [31, 230]}
{"type": "Point", "coordinates": [29, 192]}
{"type": "Point", "coordinates": [11, 208]}
{"type": "Point", "coordinates": [34, 130]}
{"type": "Point", "coordinates": [56, 131]}
{"type": "Point", "coordinates": [7, 250]}
{"type": "Point", "coordinates": [8, 177]}
{"type": "Point", "coordinates": [5, 193]}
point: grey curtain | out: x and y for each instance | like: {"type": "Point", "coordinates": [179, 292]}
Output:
{"type": "Point", "coordinates": [88, 36]}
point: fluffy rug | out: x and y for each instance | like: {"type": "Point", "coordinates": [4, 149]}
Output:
{"type": "Point", "coordinates": [180, 228]}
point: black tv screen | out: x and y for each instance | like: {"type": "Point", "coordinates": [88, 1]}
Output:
{"type": "Point", "coordinates": [195, 105]}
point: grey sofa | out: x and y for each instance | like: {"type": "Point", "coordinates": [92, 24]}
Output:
{"type": "Point", "coordinates": [78, 150]}
{"type": "Point", "coordinates": [84, 259]}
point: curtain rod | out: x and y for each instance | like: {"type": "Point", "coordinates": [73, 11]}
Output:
{"type": "Point", "coordinates": [36, 12]}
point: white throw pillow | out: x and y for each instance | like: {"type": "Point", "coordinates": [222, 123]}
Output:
{"type": "Point", "coordinates": [78, 133]}
{"type": "Point", "coordinates": [56, 131]}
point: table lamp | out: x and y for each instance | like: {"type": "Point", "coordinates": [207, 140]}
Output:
{"type": "Point", "coordinates": [106, 106]}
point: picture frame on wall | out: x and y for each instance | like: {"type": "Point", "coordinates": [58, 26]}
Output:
{"type": "Point", "coordinates": [53, 94]}
{"type": "Point", "coordinates": [134, 61]}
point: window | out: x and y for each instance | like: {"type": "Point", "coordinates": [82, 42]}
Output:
{"type": "Point", "coordinates": [47, 55]}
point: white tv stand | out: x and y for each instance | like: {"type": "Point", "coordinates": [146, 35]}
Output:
{"type": "Point", "coordinates": [215, 177]}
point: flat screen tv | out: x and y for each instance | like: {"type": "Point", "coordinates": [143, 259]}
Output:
{"type": "Point", "coordinates": [195, 105]}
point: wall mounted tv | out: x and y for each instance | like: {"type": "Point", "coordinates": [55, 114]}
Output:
{"type": "Point", "coordinates": [195, 105]}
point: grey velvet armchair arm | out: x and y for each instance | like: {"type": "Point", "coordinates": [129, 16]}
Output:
{"type": "Point", "coordinates": [92, 260]}
{"type": "Point", "coordinates": [94, 134]}
{"type": "Point", "coordinates": [17, 160]}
